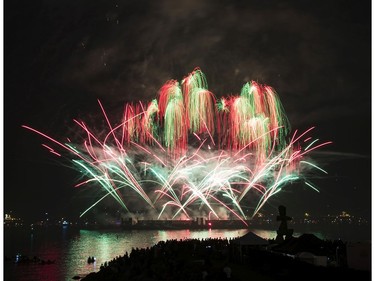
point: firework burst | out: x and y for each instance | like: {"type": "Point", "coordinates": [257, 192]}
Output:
{"type": "Point", "coordinates": [187, 152]}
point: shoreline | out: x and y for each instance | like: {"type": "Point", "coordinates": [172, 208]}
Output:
{"type": "Point", "coordinates": [191, 259]}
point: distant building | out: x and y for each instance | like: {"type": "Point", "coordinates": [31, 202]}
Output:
{"type": "Point", "coordinates": [9, 220]}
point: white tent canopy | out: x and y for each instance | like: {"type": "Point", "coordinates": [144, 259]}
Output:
{"type": "Point", "coordinates": [251, 238]}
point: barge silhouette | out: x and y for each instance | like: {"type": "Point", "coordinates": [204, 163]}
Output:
{"type": "Point", "coordinates": [198, 223]}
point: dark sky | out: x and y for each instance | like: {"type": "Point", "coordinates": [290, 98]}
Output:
{"type": "Point", "coordinates": [61, 56]}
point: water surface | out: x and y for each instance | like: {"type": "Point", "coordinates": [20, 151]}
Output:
{"type": "Point", "coordinates": [71, 247]}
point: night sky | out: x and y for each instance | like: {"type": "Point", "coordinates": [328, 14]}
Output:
{"type": "Point", "coordinates": [61, 56]}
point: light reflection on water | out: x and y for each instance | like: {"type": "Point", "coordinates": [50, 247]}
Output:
{"type": "Point", "coordinates": [104, 246]}
{"type": "Point", "coordinates": [70, 248]}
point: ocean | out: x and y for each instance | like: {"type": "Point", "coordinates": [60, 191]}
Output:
{"type": "Point", "coordinates": [69, 248]}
